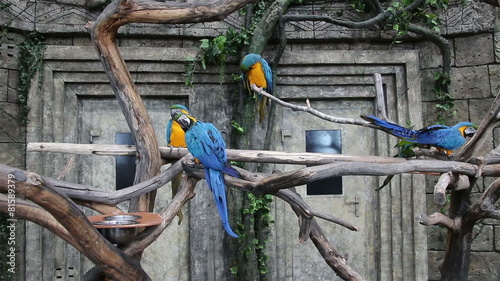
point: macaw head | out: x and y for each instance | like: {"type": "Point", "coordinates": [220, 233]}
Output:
{"type": "Point", "coordinates": [178, 109]}
{"type": "Point", "coordinates": [185, 121]}
{"type": "Point", "coordinates": [466, 128]}
{"type": "Point", "coordinates": [249, 60]}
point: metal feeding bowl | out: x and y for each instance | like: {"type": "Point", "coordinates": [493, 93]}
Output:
{"type": "Point", "coordinates": [117, 234]}
{"type": "Point", "coordinates": [121, 229]}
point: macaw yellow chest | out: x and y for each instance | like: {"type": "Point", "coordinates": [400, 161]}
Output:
{"type": "Point", "coordinates": [177, 137]}
{"type": "Point", "coordinates": [257, 76]}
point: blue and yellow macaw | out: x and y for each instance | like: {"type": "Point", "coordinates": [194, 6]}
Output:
{"type": "Point", "coordinates": [174, 133]}
{"type": "Point", "coordinates": [175, 137]}
{"type": "Point", "coordinates": [444, 138]}
{"type": "Point", "coordinates": [206, 144]}
{"type": "Point", "coordinates": [256, 71]}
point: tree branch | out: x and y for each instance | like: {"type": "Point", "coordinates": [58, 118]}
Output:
{"type": "Point", "coordinates": [439, 219]}
{"type": "Point", "coordinates": [483, 133]}
{"type": "Point", "coordinates": [92, 244]}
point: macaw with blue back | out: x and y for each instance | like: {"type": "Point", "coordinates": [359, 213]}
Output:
{"type": "Point", "coordinates": [206, 144]}
{"type": "Point", "coordinates": [256, 71]}
{"type": "Point", "coordinates": [444, 138]}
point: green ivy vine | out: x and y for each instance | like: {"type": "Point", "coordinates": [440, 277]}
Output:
{"type": "Point", "coordinates": [259, 206]}
{"type": "Point", "coordinates": [446, 102]}
{"type": "Point", "coordinates": [30, 59]}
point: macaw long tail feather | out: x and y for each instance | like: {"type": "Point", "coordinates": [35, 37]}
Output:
{"type": "Point", "coordinates": [215, 181]}
{"type": "Point", "coordinates": [391, 128]}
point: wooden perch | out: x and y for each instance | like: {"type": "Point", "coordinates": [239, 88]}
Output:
{"type": "Point", "coordinates": [439, 219]}
{"type": "Point", "coordinates": [450, 181]}
{"type": "Point", "coordinates": [483, 132]}
{"type": "Point", "coordinates": [440, 188]}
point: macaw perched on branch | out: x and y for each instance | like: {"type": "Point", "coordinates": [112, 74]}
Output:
{"type": "Point", "coordinates": [442, 137]}
{"type": "Point", "coordinates": [206, 144]}
{"type": "Point", "coordinates": [174, 132]}
{"type": "Point", "coordinates": [175, 137]}
{"type": "Point", "coordinates": [256, 71]}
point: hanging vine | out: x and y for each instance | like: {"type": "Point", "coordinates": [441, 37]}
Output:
{"type": "Point", "coordinates": [30, 60]}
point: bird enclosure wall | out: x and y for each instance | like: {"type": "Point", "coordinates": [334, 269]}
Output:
{"type": "Point", "coordinates": [76, 105]}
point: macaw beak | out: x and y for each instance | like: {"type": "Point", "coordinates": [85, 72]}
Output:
{"type": "Point", "coordinates": [469, 132]}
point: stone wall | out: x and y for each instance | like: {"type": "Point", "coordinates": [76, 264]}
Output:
{"type": "Point", "coordinates": [475, 80]}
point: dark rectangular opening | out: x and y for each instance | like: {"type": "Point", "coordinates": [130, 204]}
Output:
{"type": "Point", "coordinates": [324, 141]}
{"type": "Point", "coordinates": [125, 165]}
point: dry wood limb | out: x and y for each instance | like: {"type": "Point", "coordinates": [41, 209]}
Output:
{"type": "Point", "coordinates": [379, 90]}
{"type": "Point", "coordinates": [35, 188]}
{"type": "Point", "coordinates": [308, 109]}
{"type": "Point", "coordinates": [257, 156]}
{"type": "Point", "coordinates": [461, 183]}
{"type": "Point", "coordinates": [168, 213]}
{"type": "Point", "coordinates": [307, 212]}
{"type": "Point", "coordinates": [440, 188]}
{"type": "Point", "coordinates": [336, 261]}
{"type": "Point", "coordinates": [482, 134]}
{"type": "Point", "coordinates": [439, 219]}
{"type": "Point", "coordinates": [29, 211]}
{"type": "Point", "coordinates": [78, 191]}
{"type": "Point", "coordinates": [490, 196]}
{"type": "Point", "coordinates": [67, 168]}
{"type": "Point", "coordinates": [99, 207]}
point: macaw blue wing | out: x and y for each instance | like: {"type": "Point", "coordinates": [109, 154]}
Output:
{"type": "Point", "coordinates": [440, 136]}
{"type": "Point", "coordinates": [168, 131]}
{"type": "Point", "coordinates": [205, 143]}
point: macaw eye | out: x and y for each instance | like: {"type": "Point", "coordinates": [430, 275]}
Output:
{"type": "Point", "coordinates": [469, 132]}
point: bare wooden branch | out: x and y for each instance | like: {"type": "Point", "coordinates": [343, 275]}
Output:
{"type": "Point", "coordinates": [380, 96]}
{"type": "Point", "coordinates": [99, 207]}
{"type": "Point", "coordinates": [67, 168]}
{"type": "Point", "coordinates": [257, 156]}
{"type": "Point", "coordinates": [439, 219]}
{"type": "Point", "coordinates": [29, 211]}
{"type": "Point", "coordinates": [440, 188]}
{"type": "Point", "coordinates": [92, 244]}
{"type": "Point", "coordinates": [483, 133]}
{"type": "Point", "coordinates": [308, 109]}
{"type": "Point", "coordinates": [461, 183]}
{"type": "Point", "coordinates": [78, 191]}
{"type": "Point", "coordinates": [168, 213]}
{"type": "Point", "coordinates": [490, 197]}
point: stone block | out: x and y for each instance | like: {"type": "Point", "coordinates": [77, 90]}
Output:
{"type": "Point", "coordinates": [13, 86]}
{"type": "Point", "coordinates": [82, 41]}
{"type": "Point", "coordinates": [474, 50]}
{"type": "Point", "coordinates": [430, 55]}
{"type": "Point", "coordinates": [494, 71]}
{"type": "Point", "coordinates": [10, 131]}
{"type": "Point", "coordinates": [479, 109]}
{"type": "Point", "coordinates": [496, 231]}
{"type": "Point", "coordinates": [482, 236]}
{"type": "Point", "coordinates": [473, 17]}
{"type": "Point", "coordinates": [435, 258]}
{"type": "Point", "coordinates": [436, 238]}
{"type": "Point", "coordinates": [496, 40]}
{"type": "Point", "coordinates": [4, 76]}
{"type": "Point", "coordinates": [430, 113]}
{"type": "Point", "coordinates": [13, 154]}
{"type": "Point", "coordinates": [470, 82]}
{"type": "Point", "coordinates": [141, 42]}
{"type": "Point", "coordinates": [427, 84]}
{"type": "Point", "coordinates": [484, 266]}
